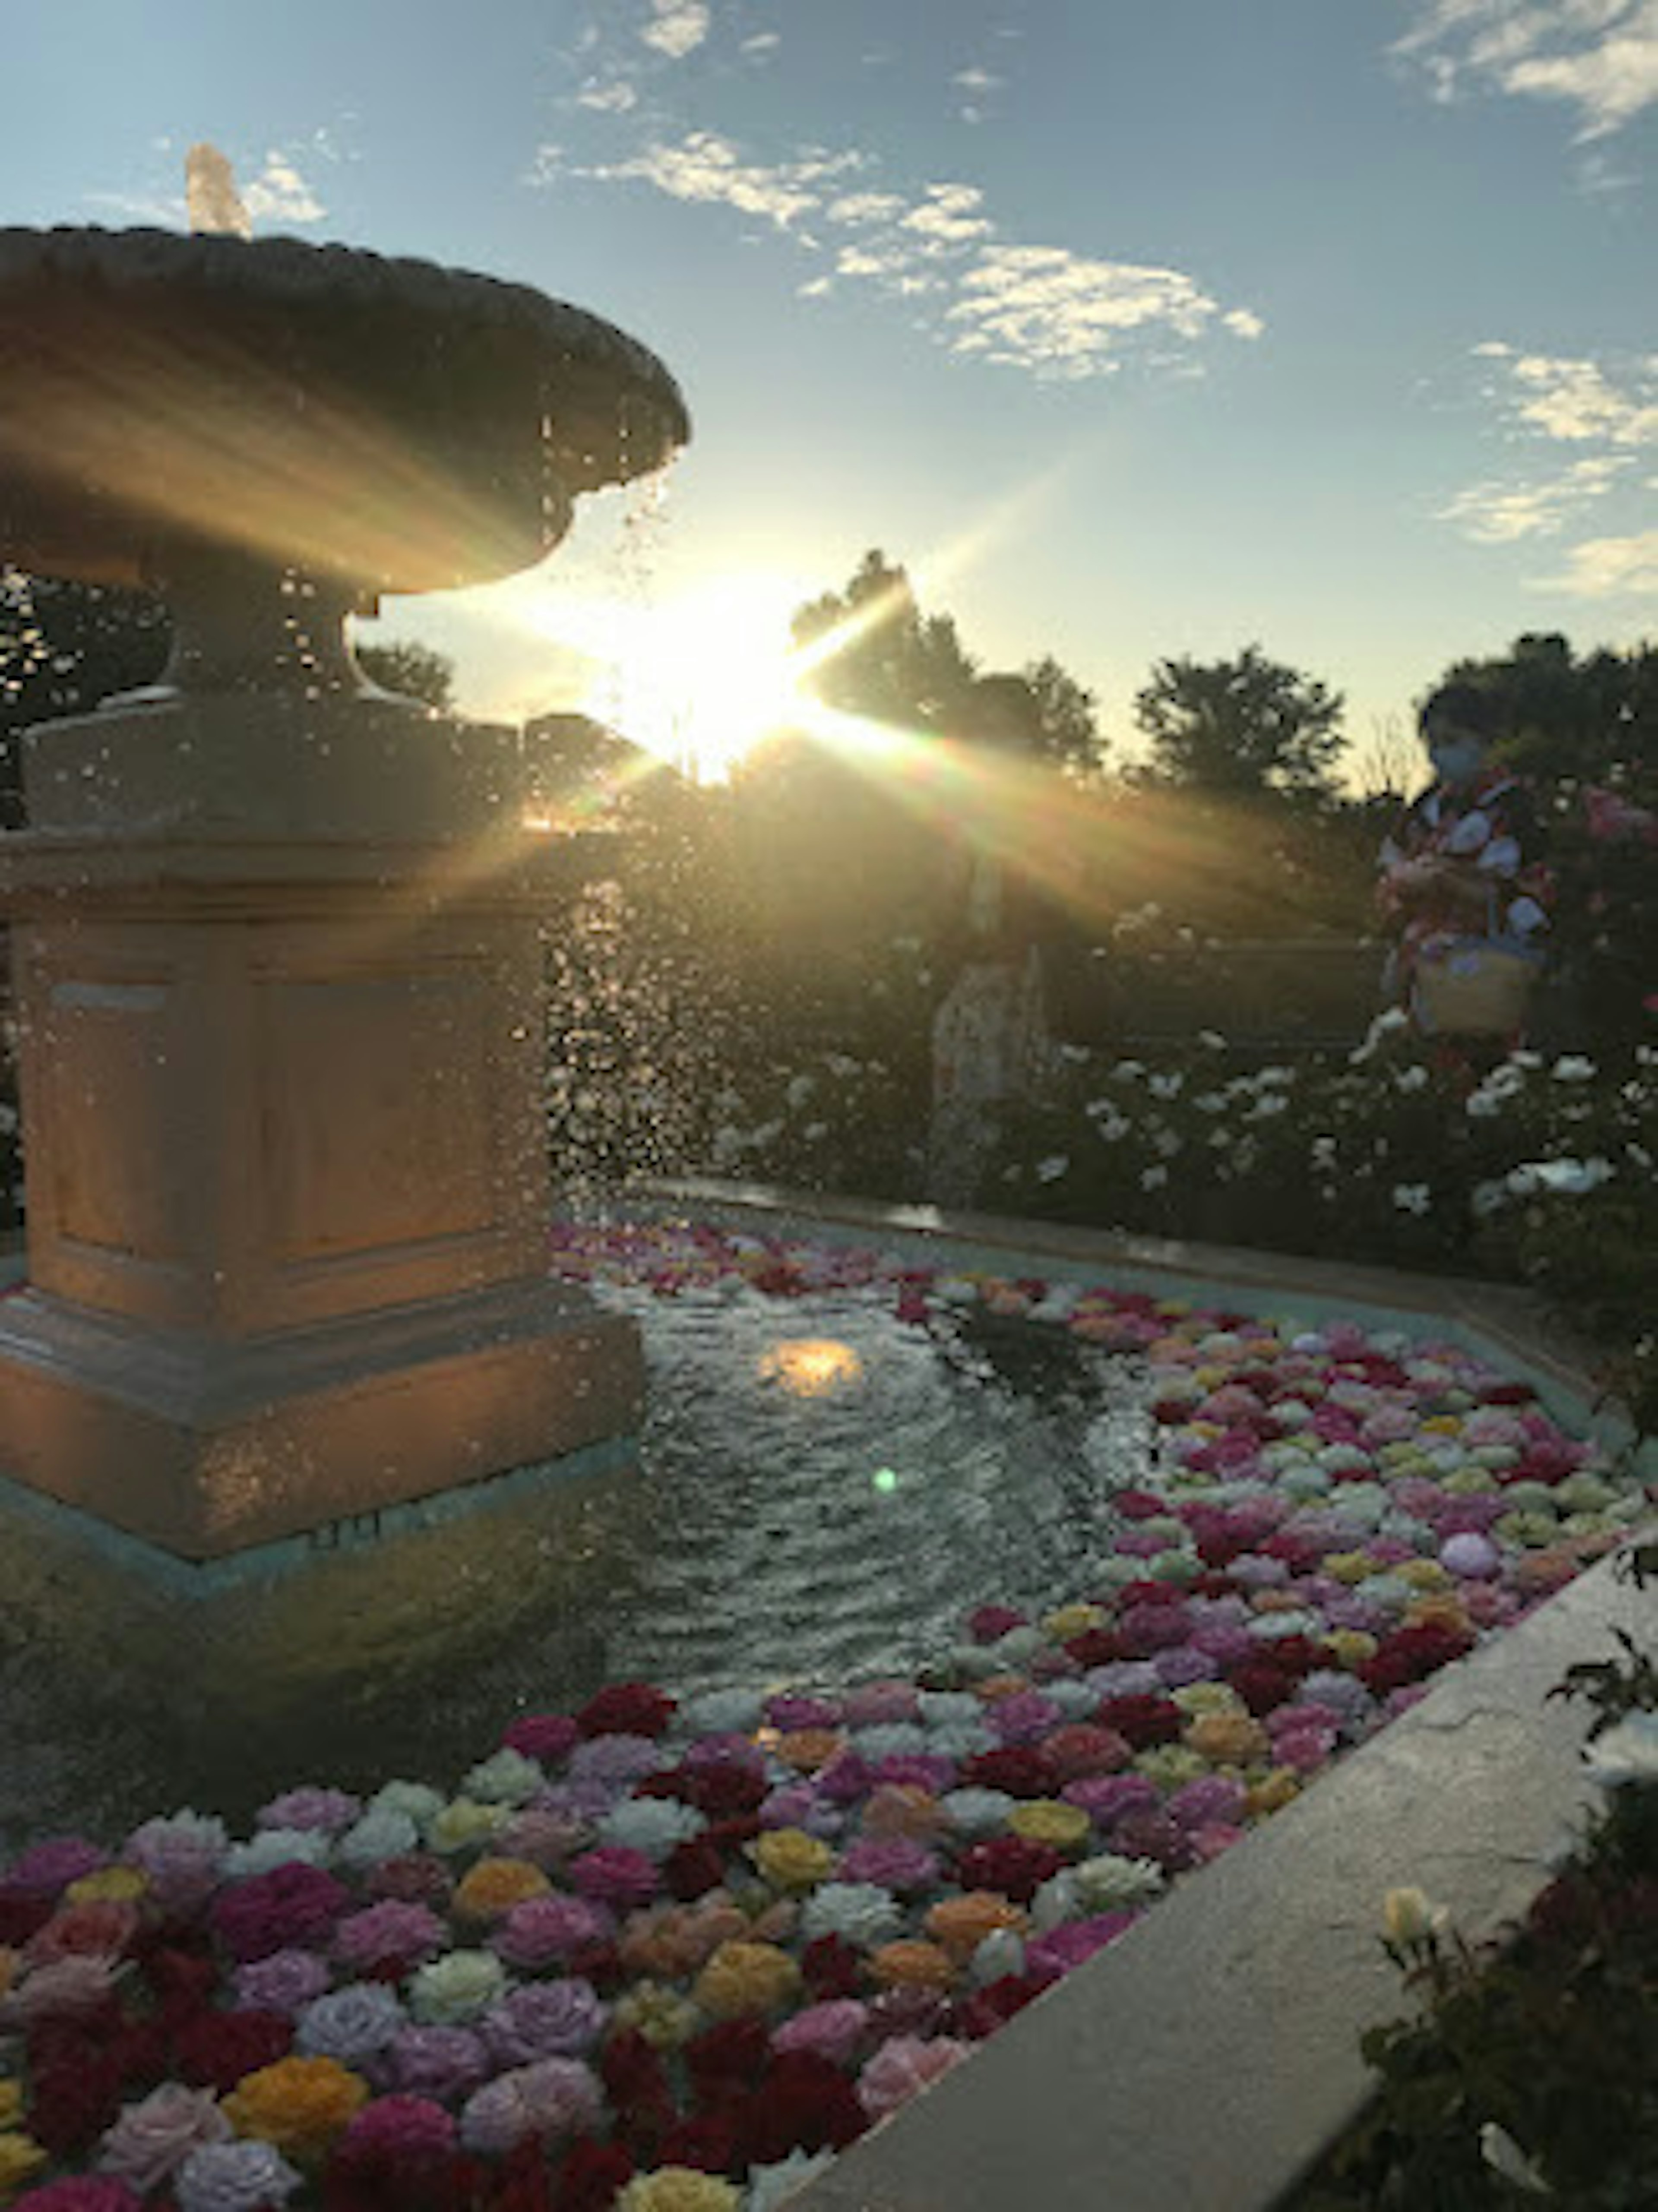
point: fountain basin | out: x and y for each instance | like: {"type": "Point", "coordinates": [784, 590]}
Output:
{"type": "Point", "coordinates": [395, 425]}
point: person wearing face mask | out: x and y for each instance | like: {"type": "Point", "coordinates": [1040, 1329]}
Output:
{"type": "Point", "coordinates": [1465, 861]}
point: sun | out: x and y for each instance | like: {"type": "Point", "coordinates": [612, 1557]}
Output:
{"type": "Point", "coordinates": [701, 679]}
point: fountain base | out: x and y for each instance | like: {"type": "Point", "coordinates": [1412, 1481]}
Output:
{"type": "Point", "coordinates": [206, 1448]}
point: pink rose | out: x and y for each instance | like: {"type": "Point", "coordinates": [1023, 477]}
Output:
{"type": "Point", "coordinates": [153, 2138]}
{"type": "Point", "coordinates": [901, 2069]}
{"type": "Point", "coordinates": [832, 2031]}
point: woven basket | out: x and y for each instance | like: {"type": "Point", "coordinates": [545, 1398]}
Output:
{"type": "Point", "coordinates": [1477, 987]}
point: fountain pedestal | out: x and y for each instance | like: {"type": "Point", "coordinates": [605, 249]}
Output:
{"type": "Point", "coordinates": [282, 1092]}
{"type": "Point", "coordinates": [277, 935]}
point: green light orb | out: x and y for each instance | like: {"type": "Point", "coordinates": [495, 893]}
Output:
{"type": "Point", "coordinates": [885, 1479]}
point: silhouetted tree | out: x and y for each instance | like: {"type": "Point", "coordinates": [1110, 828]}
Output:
{"type": "Point", "coordinates": [881, 657]}
{"type": "Point", "coordinates": [413, 671]}
{"type": "Point", "coordinates": [1241, 728]}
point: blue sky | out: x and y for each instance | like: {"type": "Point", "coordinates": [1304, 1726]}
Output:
{"type": "Point", "coordinates": [1134, 327]}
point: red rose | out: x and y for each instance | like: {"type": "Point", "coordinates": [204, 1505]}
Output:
{"type": "Point", "coordinates": [729, 2055]}
{"type": "Point", "coordinates": [1095, 1647]}
{"type": "Point", "coordinates": [591, 2176]}
{"type": "Point", "coordinates": [691, 1869]}
{"type": "Point", "coordinates": [731, 1834]}
{"type": "Point", "coordinates": [829, 1966]}
{"type": "Point", "coordinates": [1010, 1865]}
{"type": "Point", "coordinates": [707, 2141]}
{"type": "Point", "coordinates": [598, 1963]}
{"type": "Point", "coordinates": [215, 2049]}
{"type": "Point", "coordinates": [1020, 1770]}
{"type": "Point", "coordinates": [1410, 1654]}
{"type": "Point", "coordinates": [1297, 1654]}
{"type": "Point", "coordinates": [1145, 1721]}
{"type": "Point", "coordinates": [631, 2071]}
{"type": "Point", "coordinates": [1261, 1686]}
{"type": "Point", "coordinates": [994, 2005]}
{"type": "Point", "coordinates": [293, 1904]}
{"type": "Point", "coordinates": [626, 1709]}
{"type": "Point", "coordinates": [804, 2102]}
{"type": "Point", "coordinates": [523, 2184]}
{"type": "Point", "coordinates": [181, 1981]}
{"type": "Point", "coordinates": [71, 2104]}
{"type": "Point", "coordinates": [22, 1911]}
{"type": "Point", "coordinates": [719, 1788]}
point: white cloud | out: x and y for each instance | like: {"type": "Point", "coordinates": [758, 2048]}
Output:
{"type": "Point", "coordinates": [280, 194]}
{"type": "Point", "coordinates": [1064, 315]}
{"type": "Point", "coordinates": [1610, 567]}
{"type": "Point", "coordinates": [1574, 400]}
{"type": "Point", "coordinates": [615, 99]}
{"type": "Point", "coordinates": [1599, 56]}
{"type": "Point", "coordinates": [705, 166]}
{"type": "Point", "coordinates": [762, 42]}
{"type": "Point", "coordinates": [1045, 309]}
{"type": "Point", "coordinates": [1498, 514]}
{"type": "Point", "coordinates": [679, 28]}
{"type": "Point", "coordinates": [1604, 416]}
{"type": "Point", "coordinates": [978, 80]}
{"type": "Point", "coordinates": [865, 207]}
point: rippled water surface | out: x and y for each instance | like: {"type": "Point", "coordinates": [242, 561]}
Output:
{"type": "Point", "coordinates": [823, 1493]}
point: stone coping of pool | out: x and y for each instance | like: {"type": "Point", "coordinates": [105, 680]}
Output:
{"type": "Point", "coordinates": [1501, 1321]}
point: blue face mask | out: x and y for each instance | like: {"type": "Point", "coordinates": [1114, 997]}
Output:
{"type": "Point", "coordinates": [1456, 760]}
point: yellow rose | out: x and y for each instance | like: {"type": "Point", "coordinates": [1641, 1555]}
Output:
{"type": "Point", "coordinates": [1423, 1574]}
{"type": "Point", "coordinates": [1350, 1566]}
{"type": "Point", "coordinates": [1047, 1820]}
{"type": "Point", "coordinates": [1073, 1620]}
{"type": "Point", "coordinates": [1279, 1790]}
{"type": "Point", "coordinates": [747, 1980]}
{"type": "Point", "coordinates": [1442, 1425]}
{"type": "Point", "coordinates": [664, 2019]}
{"type": "Point", "coordinates": [1228, 1739]}
{"type": "Point", "coordinates": [110, 1885]}
{"type": "Point", "coordinates": [678, 2189]}
{"type": "Point", "coordinates": [21, 2159]}
{"type": "Point", "coordinates": [11, 2103]}
{"type": "Point", "coordinates": [463, 1822]}
{"type": "Point", "coordinates": [1438, 1609]}
{"type": "Point", "coordinates": [791, 1859]}
{"type": "Point", "coordinates": [300, 2105]}
{"type": "Point", "coordinates": [494, 1886]}
{"type": "Point", "coordinates": [1198, 1698]}
{"type": "Point", "coordinates": [991, 1687]}
{"type": "Point", "coordinates": [1171, 1765]}
{"type": "Point", "coordinates": [1350, 1647]}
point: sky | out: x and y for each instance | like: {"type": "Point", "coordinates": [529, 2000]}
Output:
{"type": "Point", "coordinates": [1133, 328]}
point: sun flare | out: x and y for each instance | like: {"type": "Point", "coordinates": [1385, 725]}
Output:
{"type": "Point", "coordinates": [699, 681]}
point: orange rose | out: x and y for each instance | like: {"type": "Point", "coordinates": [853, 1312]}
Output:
{"type": "Point", "coordinates": [961, 1923]}
{"type": "Point", "coordinates": [494, 1886]}
{"type": "Point", "coordinates": [807, 1749]}
{"type": "Point", "coordinates": [900, 1808]}
{"type": "Point", "coordinates": [912, 1966]}
{"type": "Point", "coordinates": [1000, 1685]}
{"type": "Point", "coordinates": [300, 2105]}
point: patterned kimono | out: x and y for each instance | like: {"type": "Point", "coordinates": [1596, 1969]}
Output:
{"type": "Point", "coordinates": [1492, 827]}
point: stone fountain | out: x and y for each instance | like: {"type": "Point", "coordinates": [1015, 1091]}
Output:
{"type": "Point", "coordinates": [277, 935]}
